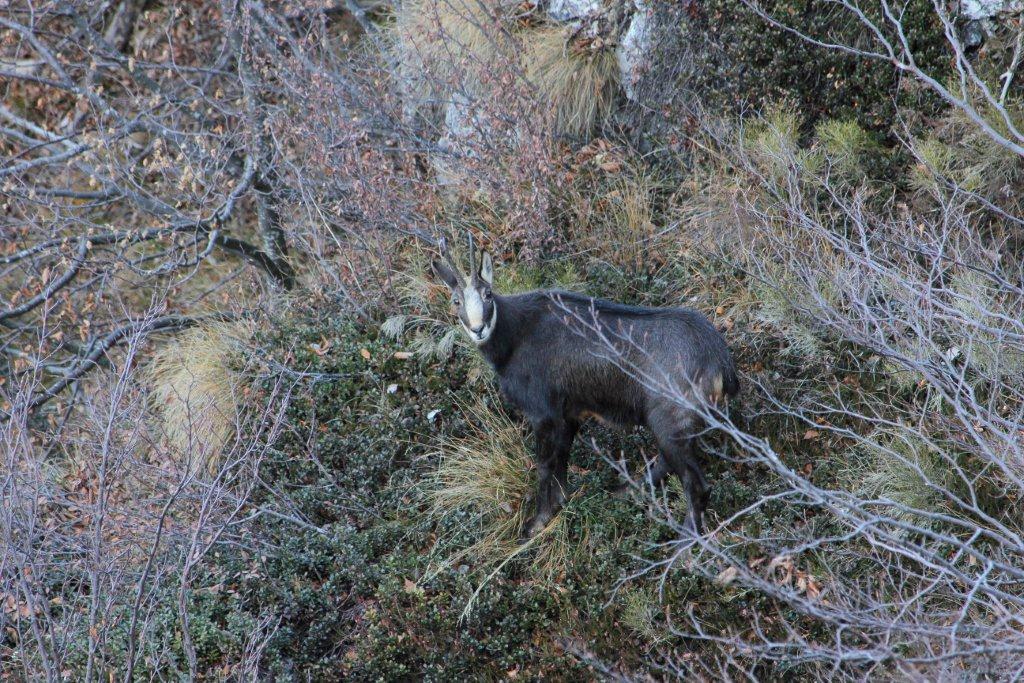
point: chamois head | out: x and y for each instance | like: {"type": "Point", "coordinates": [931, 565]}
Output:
{"type": "Point", "coordinates": [470, 297]}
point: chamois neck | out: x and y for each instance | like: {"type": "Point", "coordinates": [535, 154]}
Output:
{"type": "Point", "coordinates": [506, 335]}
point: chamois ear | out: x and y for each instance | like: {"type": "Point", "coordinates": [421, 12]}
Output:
{"type": "Point", "coordinates": [445, 274]}
{"type": "Point", "coordinates": [487, 269]}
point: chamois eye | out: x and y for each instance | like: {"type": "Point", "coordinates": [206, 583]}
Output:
{"type": "Point", "coordinates": [487, 295]}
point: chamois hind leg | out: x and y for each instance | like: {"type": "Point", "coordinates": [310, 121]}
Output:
{"type": "Point", "coordinates": [677, 443]}
{"type": "Point", "coordinates": [554, 442]}
{"type": "Point", "coordinates": [682, 461]}
{"type": "Point", "coordinates": [658, 471]}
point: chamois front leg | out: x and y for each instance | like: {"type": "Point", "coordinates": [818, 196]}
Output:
{"type": "Point", "coordinates": [676, 433]}
{"type": "Point", "coordinates": [554, 442]}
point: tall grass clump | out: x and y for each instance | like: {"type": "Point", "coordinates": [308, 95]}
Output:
{"type": "Point", "coordinates": [991, 352]}
{"type": "Point", "coordinates": [849, 149]}
{"type": "Point", "coordinates": [611, 211]}
{"type": "Point", "coordinates": [424, 319]}
{"type": "Point", "coordinates": [197, 391]}
{"type": "Point", "coordinates": [577, 83]}
{"type": "Point", "coordinates": [910, 473]}
{"type": "Point", "coordinates": [482, 495]}
{"type": "Point", "coordinates": [963, 156]}
{"type": "Point", "coordinates": [443, 45]}
{"type": "Point", "coordinates": [459, 50]}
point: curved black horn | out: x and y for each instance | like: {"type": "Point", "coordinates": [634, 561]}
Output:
{"type": "Point", "coordinates": [472, 256]}
{"type": "Point", "coordinates": [442, 245]}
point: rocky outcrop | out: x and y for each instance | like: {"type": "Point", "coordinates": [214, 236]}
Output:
{"type": "Point", "coordinates": [571, 10]}
{"type": "Point", "coordinates": [634, 51]}
{"type": "Point", "coordinates": [578, 55]}
{"type": "Point", "coordinates": [985, 17]}
{"type": "Point", "coordinates": [989, 9]}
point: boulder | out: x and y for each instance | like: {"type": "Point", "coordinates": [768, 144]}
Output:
{"type": "Point", "coordinates": [985, 18]}
{"type": "Point", "coordinates": [460, 122]}
{"type": "Point", "coordinates": [976, 10]}
{"type": "Point", "coordinates": [569, 10]}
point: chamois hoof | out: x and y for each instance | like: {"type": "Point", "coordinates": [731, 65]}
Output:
{"type": "Point", "coordinates": [535, 525]}
{"type": "Point", "coordinates": [621, 490]}
{"type": "Point", "coordinates": [691, 533]}
{"type": "Point", "coordinates": [686, 541]}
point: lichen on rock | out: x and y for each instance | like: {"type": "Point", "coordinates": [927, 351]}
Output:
{"type": "Point", "coordinates": [568, 10]}
{"type": "Point", "coordinates": [987, 9]}
{"type": "Point", "coordinates": [634, 49]}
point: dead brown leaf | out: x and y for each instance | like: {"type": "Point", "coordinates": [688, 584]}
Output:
{"type": "Point", "coordinates": [726, 576]}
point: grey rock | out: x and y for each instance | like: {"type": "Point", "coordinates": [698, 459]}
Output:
{"type": "Point", "coordinates": [634, 50]}
{"type": "Point", "coordinates": [986, 9]}
{"type": "Point", "coordinates": [568, 10]}
{"type": "Point", "coordinates": [459, 120]}
{"type": "Point", "coordinates": [973, 34]}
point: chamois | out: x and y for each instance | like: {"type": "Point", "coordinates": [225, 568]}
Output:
{"type": "Point", "coordinates": [561, 357]}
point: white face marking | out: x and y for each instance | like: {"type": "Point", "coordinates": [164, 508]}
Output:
{"type": "Point", "coordinates": [474, 307]}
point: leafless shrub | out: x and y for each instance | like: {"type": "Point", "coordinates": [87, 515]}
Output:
{"type": "Point", "coordinates": [103, 531]}
{"type": "Point", "coordinates": [152, 182]}
{"type": "Point", "coordinates": [910, 563]}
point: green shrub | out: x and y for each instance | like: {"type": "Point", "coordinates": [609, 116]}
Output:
{"type": "Point", "coordinates": [741, 60]}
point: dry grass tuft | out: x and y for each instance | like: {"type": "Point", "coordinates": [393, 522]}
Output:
{"type": "Point", "coordinates": [641, 608]}
{"type": "Point", "coordinates": [431, 331]}
{"type": "Point", "coordinates": [578, 85]}
{"type": "Point", "coordinates": [923, 477]}
{"type": "Point", "coordinates": [985, 346]}
{"type": "Point", "coordinates": [489, 472]}
{"type": "Point", "coordinates": [787, 301]}
{"type": "Point", "coordinates": [904, 471]}
{"type": "Point", "coordinates": [773, 144]}
{"type": "Point", "coordinates": [958, 151]}
{"type": "Point", "coordinates": [848, 148]}
{"type": "Point", "coordinates": [196, 389]}
{"type": "Point", "coordinates": [484, 485]}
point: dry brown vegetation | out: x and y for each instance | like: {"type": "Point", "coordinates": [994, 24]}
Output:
{"type": "Point", "coordinates": [198, 388]}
